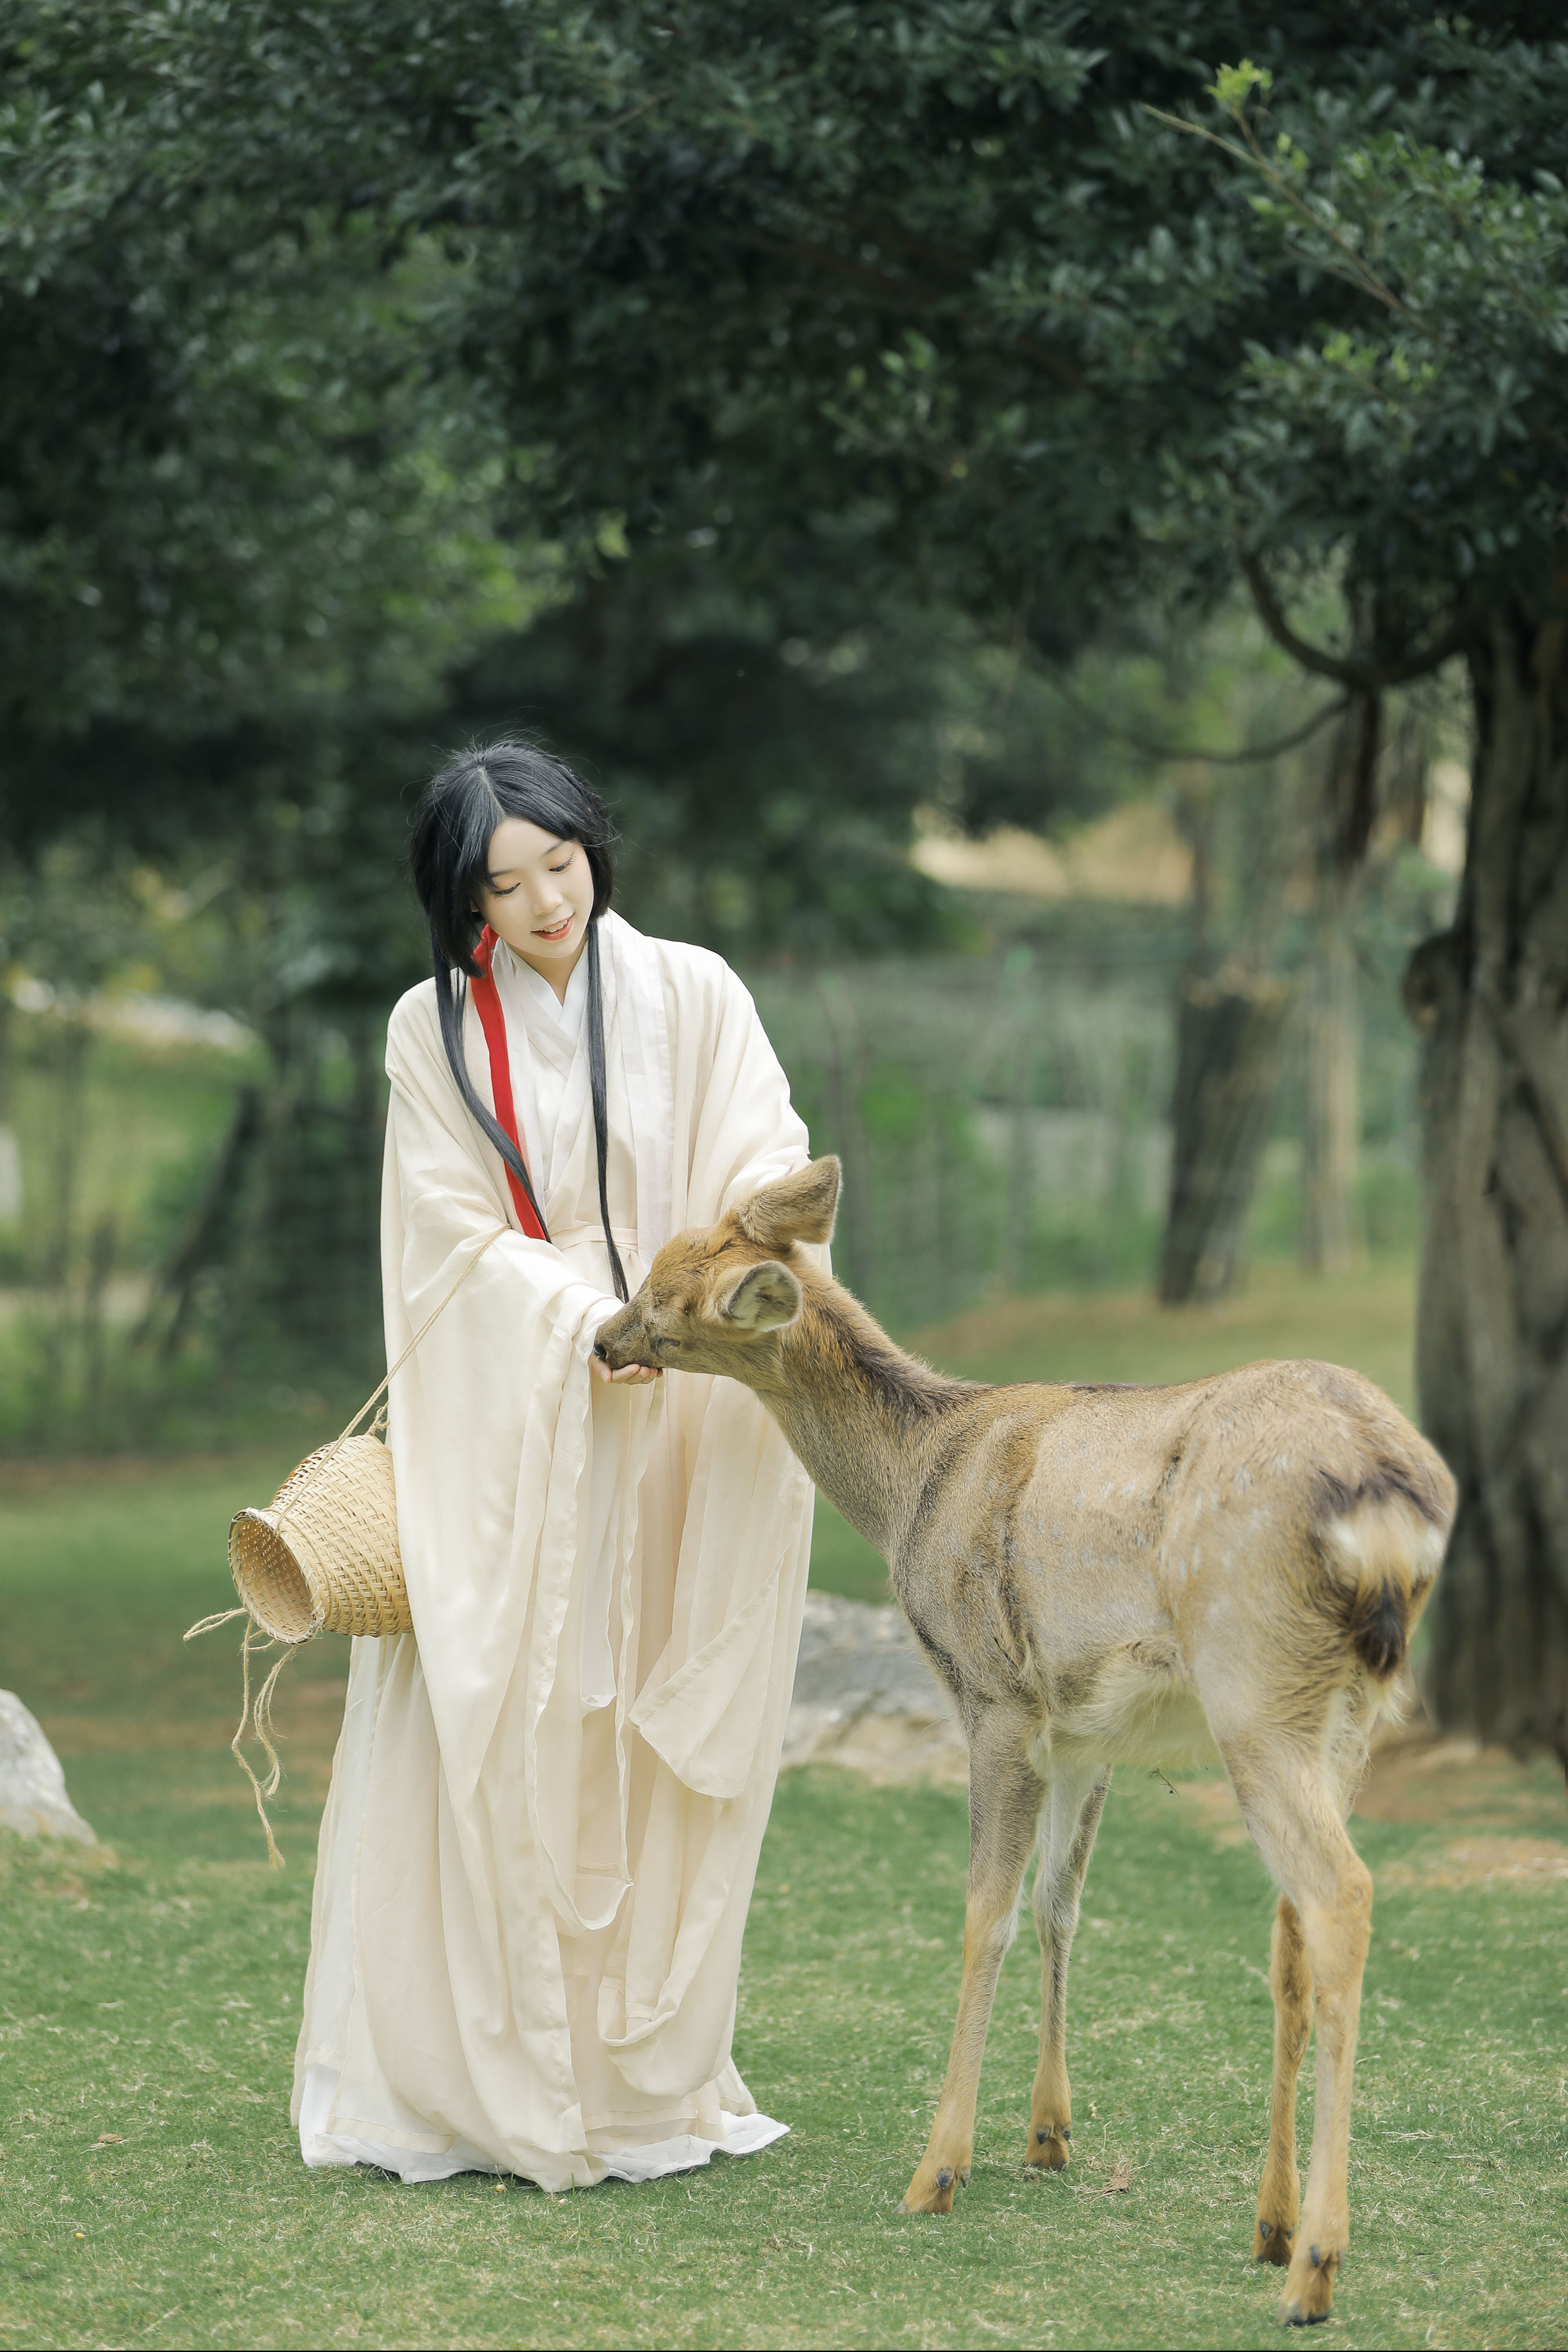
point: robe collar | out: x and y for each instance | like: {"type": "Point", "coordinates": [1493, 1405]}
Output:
{"type": "Point", "coordinates": [537, 1023]}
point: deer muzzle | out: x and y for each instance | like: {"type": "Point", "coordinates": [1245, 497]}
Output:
{"type": "Point", "coordinates": [617, 1342]}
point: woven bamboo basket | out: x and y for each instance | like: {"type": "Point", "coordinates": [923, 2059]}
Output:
{"type": "Point", "coordinates": [323, 1556]}
{"type": "Point", "coordinates": [320, 1557]}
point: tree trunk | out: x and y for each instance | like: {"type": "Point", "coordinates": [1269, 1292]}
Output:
{"type": "Point", "coordinates": [1491, 999]}
{"type": "Point", "coordinates": [1227, 1073]}
{"type": "Point", "coordinates": [1330, 1120]}
{"type": "Point", "coordinates": [207, 1239]}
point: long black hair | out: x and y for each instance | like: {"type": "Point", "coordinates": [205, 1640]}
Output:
{"type": "Point", "coordinates": [454, 826]}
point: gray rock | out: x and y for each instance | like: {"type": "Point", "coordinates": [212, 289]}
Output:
{"type": "Point", "coordinates": [32, 1786]}
{"type": "Point", "coordinates": [864, 1697]}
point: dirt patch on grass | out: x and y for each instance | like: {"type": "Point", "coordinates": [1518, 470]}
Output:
{"type": "Point", "coordinates": [1513, 1813]}
{"type": "Point", "coordinates": [1535, 1859]}
{"type": "Point", "coordinates": [1420, 1778]}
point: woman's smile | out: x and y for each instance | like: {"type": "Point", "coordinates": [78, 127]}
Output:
{"type": "Point", "coordinates": [555, 930]}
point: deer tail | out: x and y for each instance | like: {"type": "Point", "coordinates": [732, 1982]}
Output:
{"type": "Point", "coordinates": [1382, 1552]}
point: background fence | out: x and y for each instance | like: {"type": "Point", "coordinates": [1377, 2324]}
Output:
{"type": "Point", "coordinates": [1004, 1122]}
{"type": "Point", "coordinates": [183, 1218]}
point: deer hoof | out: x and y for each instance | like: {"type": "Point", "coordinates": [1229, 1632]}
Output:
{"type": "Point", "coordinates": [1273, 2241]}
{"type": "Point", "coordinates": [930, 2192]}
{"type": "Point", "coordinates": [1309, 2289]}
{"type": "Point", "coordinates": [1048, 2150]}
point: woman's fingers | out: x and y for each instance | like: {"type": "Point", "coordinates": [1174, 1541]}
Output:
{"type": "Point", "coordinates": [628, 1375]}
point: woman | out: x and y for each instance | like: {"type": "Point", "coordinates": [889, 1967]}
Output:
{"type": "Point", "coordinates": [547, 1802]}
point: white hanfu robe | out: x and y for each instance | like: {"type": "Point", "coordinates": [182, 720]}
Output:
{"type": "Point", "coordinates": [548, 1799]}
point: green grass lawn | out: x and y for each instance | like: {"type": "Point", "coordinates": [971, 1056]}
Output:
{"type": "Point", "coordinates": [151, 2191]}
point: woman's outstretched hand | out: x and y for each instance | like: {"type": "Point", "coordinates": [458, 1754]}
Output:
{"type": "Point", "coordinates": [628, 1374]}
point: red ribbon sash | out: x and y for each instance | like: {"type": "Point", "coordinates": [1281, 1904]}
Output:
{"type": "Point", "coordinates": [492, 1021]}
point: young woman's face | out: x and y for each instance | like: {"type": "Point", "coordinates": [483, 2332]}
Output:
{"type": "Point", "coordinates": [540, 897]}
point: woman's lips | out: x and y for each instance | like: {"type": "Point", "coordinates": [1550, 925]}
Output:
{"type": "Point", "coordinates": [559, 933]}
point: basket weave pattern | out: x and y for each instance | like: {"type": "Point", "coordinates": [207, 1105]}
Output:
{"type": "Point", "coordinates": [323, 1556]}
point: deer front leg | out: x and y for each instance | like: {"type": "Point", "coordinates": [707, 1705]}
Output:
{"type": "Point", "coordinates": [1280, 2193]}
{"type": "Point", "coordinates": [1073, 1809]}
{"type": "Point", "coordinates": [1004, 1796]}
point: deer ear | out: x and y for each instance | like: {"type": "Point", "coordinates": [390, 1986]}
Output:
{"type": "Point", "coordinates": [765, 1298]}
{"type": "Point", "coordinates": [798, 1208]}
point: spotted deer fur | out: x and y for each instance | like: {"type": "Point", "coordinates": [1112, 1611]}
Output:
{"type": "Point", "coordinates": [1104, 1574]}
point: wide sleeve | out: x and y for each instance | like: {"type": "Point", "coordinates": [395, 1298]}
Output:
{"type": "Point", "coordinates": [492, 1418]}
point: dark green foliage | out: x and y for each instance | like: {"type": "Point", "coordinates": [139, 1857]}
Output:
{"type": "Point", "coordinates": [926, 298]}
{"type": "Point", "coordinates": [939, 274]}
{"type": "Point", "coordinates": [935, 293]}
{"type": "Point", "coordinates": [760, 752]}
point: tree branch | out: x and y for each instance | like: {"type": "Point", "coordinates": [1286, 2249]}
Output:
{"type": "Point", "coordinates": [1359, 678]}
{"type": "Point", "coordinates": [1355, 267]}
{"type": "Point", "coordinates": [1253, 754]}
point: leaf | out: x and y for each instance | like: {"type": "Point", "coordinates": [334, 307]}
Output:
{"type": "Point", "coordinates": [1233, 85]}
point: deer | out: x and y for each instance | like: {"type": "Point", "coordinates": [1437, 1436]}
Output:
{"type": "Point", "coordinates": [1105, 1574]}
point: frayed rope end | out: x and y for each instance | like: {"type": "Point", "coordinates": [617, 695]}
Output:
{"type": "Point", "coordinates": [260, 1719]}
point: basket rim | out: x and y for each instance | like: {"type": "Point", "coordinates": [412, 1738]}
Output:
{"type": "Point", "coordinates": [262, 1515]}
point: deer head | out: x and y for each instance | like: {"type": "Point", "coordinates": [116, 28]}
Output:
{"type": "Point", "coordinates": [715, 1297]}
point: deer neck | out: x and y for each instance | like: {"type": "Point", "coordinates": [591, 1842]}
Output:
{"type": "Point", "coordinates": [860, 1414]}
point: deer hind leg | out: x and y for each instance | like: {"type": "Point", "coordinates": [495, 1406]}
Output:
{"type": "Point", "coordinates": [1073, 1808]}
{"type": "Point", "coordinates": [1004, 1794]}
{"type": "Point", "coordinates": [1289, 1805]}
{"type": "Point", "coordinates": [1280, 2193]}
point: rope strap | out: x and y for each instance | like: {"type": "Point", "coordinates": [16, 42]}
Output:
{"type": "Point", "coordinates": [376, 1394]}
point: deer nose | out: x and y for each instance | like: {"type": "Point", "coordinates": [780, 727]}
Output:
{"type": "Point", "coordinates": [599, 1352]}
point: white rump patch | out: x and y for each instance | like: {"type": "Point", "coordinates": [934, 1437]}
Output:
{"type": "Point", "coordinates": [1380, 1538]}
